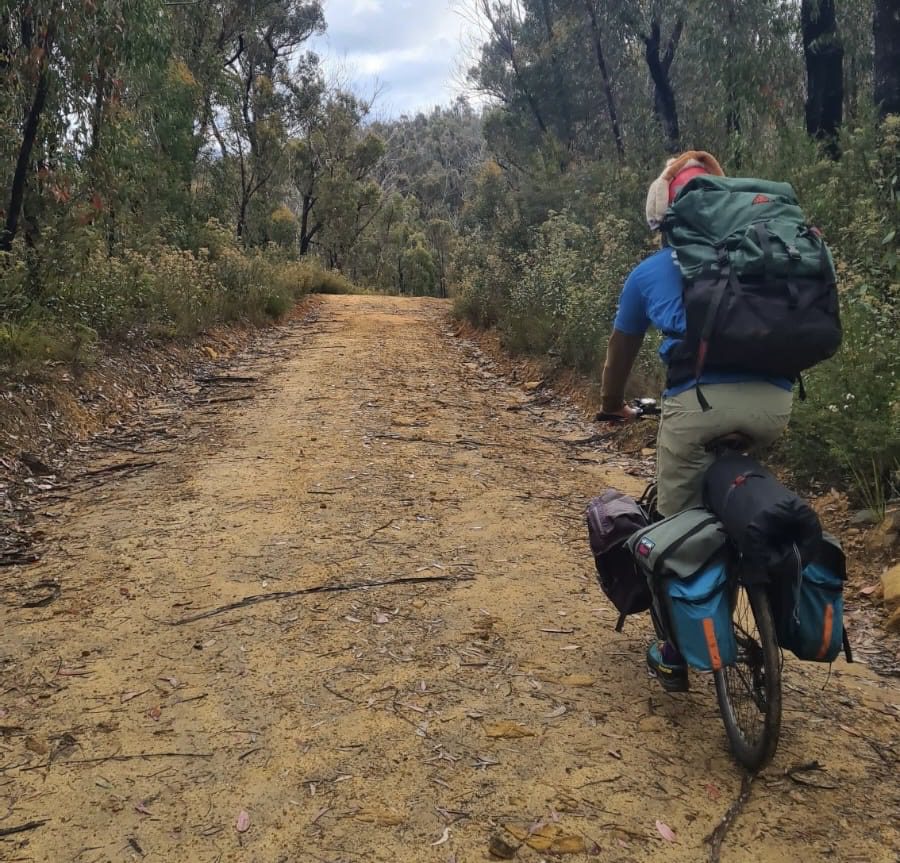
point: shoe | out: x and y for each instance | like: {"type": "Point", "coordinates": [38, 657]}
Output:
{"type": "Point", "coordinates": [665, 664]}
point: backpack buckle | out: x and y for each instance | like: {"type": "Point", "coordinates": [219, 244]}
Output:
{"type": "Point", "coordinates": [793, 253]}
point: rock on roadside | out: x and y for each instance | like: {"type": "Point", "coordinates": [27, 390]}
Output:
{"type": "Point", "coordinates": [887, 534]}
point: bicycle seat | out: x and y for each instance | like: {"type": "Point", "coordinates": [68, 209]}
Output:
{"type": "Point", "coordinates": [732, 442]}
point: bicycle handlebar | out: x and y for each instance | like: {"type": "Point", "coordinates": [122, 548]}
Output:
{"type": "Point", "coordinates": [643, 408]}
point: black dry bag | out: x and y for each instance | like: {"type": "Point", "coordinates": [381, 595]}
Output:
{"type": "Point", "coordinates": [765, 520]}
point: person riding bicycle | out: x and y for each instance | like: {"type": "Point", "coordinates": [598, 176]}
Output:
{"type": "Point", "coordinates": [752, 404]}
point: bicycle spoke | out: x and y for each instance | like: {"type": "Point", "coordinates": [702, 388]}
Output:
{"type": "Point", "coordinates": [749, 689]}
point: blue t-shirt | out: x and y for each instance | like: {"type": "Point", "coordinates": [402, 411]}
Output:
{"type": "Point", "coordinates": [653, 296]}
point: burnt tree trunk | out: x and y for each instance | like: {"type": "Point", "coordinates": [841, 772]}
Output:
{"type": "Point", "coordinates": [886, 25]}
{"type": "Point", "coordinates": [824, 57]}
{"type": "Point", "coordinates": [29, 136]}
{"type": "Point", "coordinates": [307, 231]}
{"type": "Point", "coordinates": [604, 76]}
{"type": "Point", "coordinates": [663, 94]}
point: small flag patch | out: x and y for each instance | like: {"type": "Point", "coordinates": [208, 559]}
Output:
{"type": "Point", "coordinates": [645, 546]}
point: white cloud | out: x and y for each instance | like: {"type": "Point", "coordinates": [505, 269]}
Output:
{"type": "Point", "coordinates": [376, 64]}
{"type": "Point", "coordinates": [362, 7]}
{"type": "Point", "coordinates": [413, 50]}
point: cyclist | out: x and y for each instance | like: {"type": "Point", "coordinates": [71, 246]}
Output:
{"type": "Point", "coordinates": [750, 403]}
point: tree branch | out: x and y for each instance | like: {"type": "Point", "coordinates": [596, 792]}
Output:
{"type": "Point", "coordinates": [237, 54]}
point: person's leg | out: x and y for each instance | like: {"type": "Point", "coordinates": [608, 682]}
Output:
{"type": "Point", "coordinates": [757, 409]}
{"type": "Point", "coordinates": [680, 457]}
{"type": "Point", "coordinates": [680, 464]}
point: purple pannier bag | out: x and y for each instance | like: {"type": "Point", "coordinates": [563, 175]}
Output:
{"type": "Point", "coordinates": [611, 519]}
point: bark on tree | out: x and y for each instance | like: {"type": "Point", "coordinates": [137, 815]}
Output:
{"type": "Point", "coordinates": [886, 25]}
{"type": "Point", "coordinates": [604, 76]}
{"type": "Point", "coordinates": [824, 57]}
{"type": "Point", "coordinates": [663, 95]}
{"type": "Point", "coordinates": [307, 232]}
{"type": "Point", "coordinates": [29, 136]}
{"type": "Point", "coordinates": [99, 108]}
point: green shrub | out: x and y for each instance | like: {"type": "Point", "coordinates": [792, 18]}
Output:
{"type": "Point", "coordinates": [28, 345]}
{"type": "Point", "coordinates": [277, 305]}
{"type": "Point", "coordinates": [565, 299]}
{"type": "Point", "coordinates": [284, 227]}
{"type": "Point", "coordinates": [104, 293]}
{"type": "Point", "coordinates": [328, 281]}
{"type": "Point", "coordinates": [57, 302]}
{"type": "Point", "coordinates": [487, 277]}
{"type": "Point", "coordinates": [849, 426]}
{"type": "Point", "coordinates": [213, 237]}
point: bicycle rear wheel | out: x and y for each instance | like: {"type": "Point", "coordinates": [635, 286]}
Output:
{"type": "Point", "coordinates": [749, 691]}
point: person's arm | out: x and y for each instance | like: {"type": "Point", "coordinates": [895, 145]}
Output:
{"type": "Point", "coordinates": [628, 333]}
{"type": "Point", "coordinates": [621, 352]}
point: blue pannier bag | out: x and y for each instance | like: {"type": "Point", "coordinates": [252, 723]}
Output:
{"type": "Point", "coordinates": [699, 613]}
{"type": "Point", "coordinates": [684, 558]}
{"type": "Point", "coordinates": [808, 606]}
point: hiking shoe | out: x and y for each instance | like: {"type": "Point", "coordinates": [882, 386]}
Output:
{"type": "Point", "coordinates": [666, 665]}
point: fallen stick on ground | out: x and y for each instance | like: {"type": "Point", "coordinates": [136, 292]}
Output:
{"type": "Point", "coordinates": [322, 588]}
{"type": "Point", "coordinates": [134, 757]}
{"type": "Point", "coordinates": [204, 402]}
{"type": "Point", "coordinates": [226, 379]}
{"type": "Point", "coordinates": [717, 837]}
{"type": "Point", "coordinates": [129, 465]}
{"type": "Point", "coordinates": [21, 828]}
{"type": "Point", "coordinates": [582, 441]}
{"type": "Point", "coordinates": [18, 559]}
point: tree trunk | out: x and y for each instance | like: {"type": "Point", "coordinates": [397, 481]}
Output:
{"type": "Point", "coordinates": [245, 197]}
{"type": "Point", "coordinates": [306, 232]}
{"type": "Point", "coordinates": [97, 110]}
{"type": "Point", "coordinates": [663, 94]}
{"type": "Point", "coordinates": [824, 57]}
{"type": "Point", "coordinates": [851, 88]}
{"type": "Point", "coordinates": [886, 24]}
{"type": "Point", "coordinates": [732, 89]}
{"type": "Point", "coordinates": [604, 76]}
{"type": "Point", "coordinates": [242, 216]}
{"type": "Point", "coordinates": [29, 135]}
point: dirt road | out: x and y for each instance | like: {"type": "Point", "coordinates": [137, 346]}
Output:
{"type": "Point", "coordinates": [407, 722]}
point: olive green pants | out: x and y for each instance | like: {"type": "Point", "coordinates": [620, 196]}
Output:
{"type": "Point", "coordinates": [759, 410]}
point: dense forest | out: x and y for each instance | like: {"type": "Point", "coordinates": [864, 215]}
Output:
{"type": "Point", "coordinates": [169, 165]}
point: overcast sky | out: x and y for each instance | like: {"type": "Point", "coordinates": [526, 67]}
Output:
{"type": "Point", "coordinates": [413, 49]}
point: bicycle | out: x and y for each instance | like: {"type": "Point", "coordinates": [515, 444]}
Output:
{"type": "Point", "coordinates": [748, 691]}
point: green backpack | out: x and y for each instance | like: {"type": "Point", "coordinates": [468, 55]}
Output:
{"type": "Point", "coordinates": [759, 283]}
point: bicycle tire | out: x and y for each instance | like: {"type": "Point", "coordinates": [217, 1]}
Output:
{"type": "Point", "coordinates": [749, 691]}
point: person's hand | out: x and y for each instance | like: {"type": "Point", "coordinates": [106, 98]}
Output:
{"type": "Point", "coordinates": [624, 414]}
